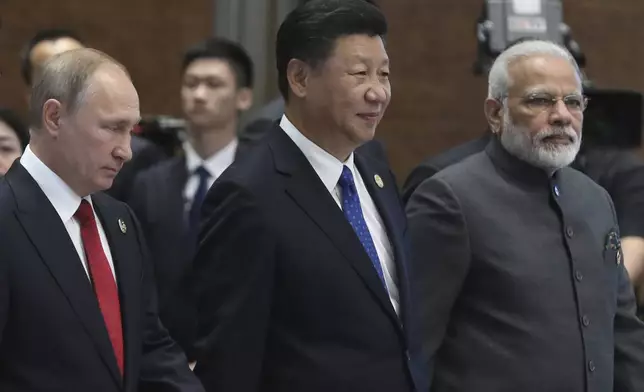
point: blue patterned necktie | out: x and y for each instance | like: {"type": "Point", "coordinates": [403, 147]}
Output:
{"type": "Point", "coordinates": [353, 213]}
{"type": "Point", "coordinates": [197, 200]}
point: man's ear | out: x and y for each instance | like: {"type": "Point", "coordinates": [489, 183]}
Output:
{"type": "Point", "coordinates": [52, 113]}
{"type": "Point", "coordinates": [244, 99]}
{"type": "Point", "coordinates": [494, 114]}
{"type": "Point", "coordinates": [297, 74]}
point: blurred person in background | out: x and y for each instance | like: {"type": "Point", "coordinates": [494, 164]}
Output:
{"type": "Point", "coordinates": [14, 137]}
{"type": "Point", "coordinates": [41, 47]}
{"type": "Point", "coordinates": [47, 43]}
{"type": "Point", "coordinates": [217, 82]}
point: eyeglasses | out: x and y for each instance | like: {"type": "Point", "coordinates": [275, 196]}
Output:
{"type": "Point", "coordinates": [541, 102]}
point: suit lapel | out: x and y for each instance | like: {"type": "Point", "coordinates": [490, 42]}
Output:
{"type": "Point", "coordinates": [119, 230]}
{"type": "Point", "coordinates": [175, 185]}
{"type": "Point", "coordinates": [307, 190]}
{"type": "Point", "coordinates": [50, 238]}
{"type": "Point", "coordinates": [390, 209]}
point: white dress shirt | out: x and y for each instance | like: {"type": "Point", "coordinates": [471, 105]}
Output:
{"type": "Point", "coordinates": [215, 165]}
{"type": "Point", "coordinates": [329, 169]}
{"type": "Point", "coordinates": [66, 203]}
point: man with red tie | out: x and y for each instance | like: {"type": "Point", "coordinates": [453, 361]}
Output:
{"type": "Point", "coordinates": [77, 301]}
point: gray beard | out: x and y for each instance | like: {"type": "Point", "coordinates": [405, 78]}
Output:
{"type": "Point", "coordinates": [533, 150]}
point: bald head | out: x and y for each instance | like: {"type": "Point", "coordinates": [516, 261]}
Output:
{"type": "Point", "coordinates": [65, 78]}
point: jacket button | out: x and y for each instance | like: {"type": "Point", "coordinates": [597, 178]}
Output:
{"type": "Point", "coordinates": [585, 321]}
{"type": "Point", "coordinates": [591, 366]}
{"type": "Point", "coordinates": [578, 276]}
{"type": "Point", "coordinates": [569, 232]}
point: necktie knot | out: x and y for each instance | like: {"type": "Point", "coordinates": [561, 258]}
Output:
{"type": "Point", "coordinates": [85, 213]}
{"type": "Point", "coordinates": [346, 180]}
{"type": "Point", "coordinates": [202, 173]}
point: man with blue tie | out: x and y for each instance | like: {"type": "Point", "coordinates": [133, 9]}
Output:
{"type": "Point", "coordinates": [301, 274]}
{"type": "Point", "coordinates": [216, 87]}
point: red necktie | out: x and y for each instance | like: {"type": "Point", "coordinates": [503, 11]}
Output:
{"type": "Point", "coordinates": [102, 278]}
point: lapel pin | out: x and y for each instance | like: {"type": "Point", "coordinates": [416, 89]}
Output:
{"type": "Point", "coordinates": [122, 226]}
{"type": "Point", "coordinates": [379, 181]}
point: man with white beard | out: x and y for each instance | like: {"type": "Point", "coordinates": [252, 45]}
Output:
{"type": "Point", "coordinates": [517, 260]}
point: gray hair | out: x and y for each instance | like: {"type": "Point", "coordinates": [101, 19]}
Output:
{"type": "Point", "coordinates": [65, 78]}
{"type": "Point", "coordinates": [499, 78]}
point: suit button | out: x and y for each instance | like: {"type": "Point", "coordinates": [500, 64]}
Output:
{"type": "Point", "coordinates": [585, 321]}
{"type": "Point", "coordinates": [591, 366]}
{"type": "Point", "coordinates": [569, 232]}
{"type": "Point", "coordinates": [408, 356]}
{"type": "Point", "coordinates": [578, 276]}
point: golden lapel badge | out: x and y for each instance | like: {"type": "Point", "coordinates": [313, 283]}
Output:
{"type": "Point", "coordinates": [122, 226]}
{"type": "Point", "coordinates": [378, 180]}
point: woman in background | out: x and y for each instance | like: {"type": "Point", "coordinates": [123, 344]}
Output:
{"type": "Point", "coordinates": [13, 139]}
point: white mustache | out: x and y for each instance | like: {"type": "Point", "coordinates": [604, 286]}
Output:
{"type": "Point", "coordinates": [558, 131]}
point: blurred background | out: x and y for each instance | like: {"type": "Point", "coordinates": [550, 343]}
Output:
{"type": "Point", "coordinates": [437, 97]}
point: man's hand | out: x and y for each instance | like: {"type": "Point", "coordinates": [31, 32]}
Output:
{"type": "Point", "coordinates": [633, 250]}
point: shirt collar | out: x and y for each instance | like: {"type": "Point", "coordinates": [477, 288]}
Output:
{"type": "Point", "coordinates": [327, 167]}
{"type": "Point", "coordinates": [215, 164]}
{"type": "Point", "coordinates": [60, 195]}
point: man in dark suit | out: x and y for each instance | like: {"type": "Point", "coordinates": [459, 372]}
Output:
{"type": "Point", "coordinates": [301, 274]}
{"type": "Point", "coordinates": [517, 258]}
{"type": "Point", "coordinates": [217, 87]}
{"type": "Point", "coordinates": [77, 300]}
{"type": "Point", "coordinates": [49, 42]}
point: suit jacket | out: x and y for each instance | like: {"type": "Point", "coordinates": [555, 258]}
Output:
{"type": "Point", "coordinates": [53, 337]}
{"type": "Point", "coordinates": [433, 165]}
{"type": "Point", "coordinates": [158, 202]}
{"type": "Point", "coordinates": [288, 299]}
{"type": "Point", "coordinates": [521, 283]}
{"type": "Point", "coordinates": [144, 155]}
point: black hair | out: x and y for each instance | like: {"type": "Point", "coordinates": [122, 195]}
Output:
{"type": "Point", "coordinates": [14, 122]}
{"type": "Point", "coordinates": [26, 68]}
{"type": "Point", "coordinates": [310, 31]}
{"type": "Point", "coordinates": [224, 49]}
